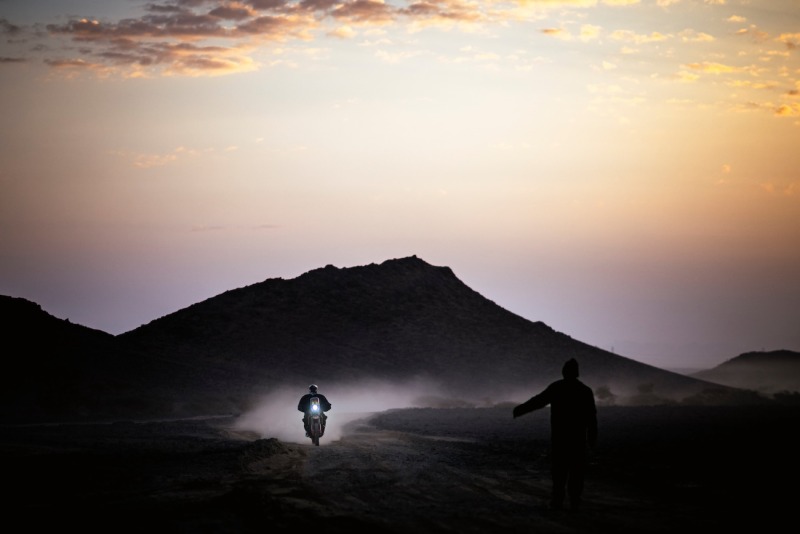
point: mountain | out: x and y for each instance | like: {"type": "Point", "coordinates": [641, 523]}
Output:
{"type": "Point", "coordinates": [403, 321]}
{"type": "Point", "coordinates": [51, 367]}
{"type": "Point", "coordinates": [766, 372]}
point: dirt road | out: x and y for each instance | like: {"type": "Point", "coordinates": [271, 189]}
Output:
{"type": "Point", "coordinates": [412, 482]}
{"type": "Point", "coordinates": [657, 469]}
{"type": "Point", "coordinates": [481, 478]}
{"type": "Point", "coordinates": [419, 471]}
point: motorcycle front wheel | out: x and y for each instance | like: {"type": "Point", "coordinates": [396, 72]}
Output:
{"type": "Point", "coordinates": [316, 430]}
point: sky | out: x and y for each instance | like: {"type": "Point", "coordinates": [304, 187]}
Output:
{"type": "Point", "coordinates": [626, 171]}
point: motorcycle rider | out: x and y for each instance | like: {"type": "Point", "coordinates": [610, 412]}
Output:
{"type": "Point", "coordinates": [304, 404]}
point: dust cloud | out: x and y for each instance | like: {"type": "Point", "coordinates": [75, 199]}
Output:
{"type": "Point", "coordinates": [276, 414]}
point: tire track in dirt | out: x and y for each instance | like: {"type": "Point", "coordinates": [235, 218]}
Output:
{"type": "Point", "coordinates": [410, 482]}
{"type": "Point", "coordinates": [423, 483]}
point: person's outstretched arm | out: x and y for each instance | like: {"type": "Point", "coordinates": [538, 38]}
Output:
{"type": "Point", "coordinates": [534, 403]}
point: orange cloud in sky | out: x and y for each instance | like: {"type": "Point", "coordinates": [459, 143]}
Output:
{"type": "Point", "coordinates": [148, 42]}
{"type": "Point", "coordinates": [713, 68]}
{"type": "Point", "coordinates": [559, 33]}
{"type": "Point", "coordinates": [632, 37]}
{"type": "Point", "coordinates": [791, 40]}
{"type": "Point", "coordinates": [788, 110]}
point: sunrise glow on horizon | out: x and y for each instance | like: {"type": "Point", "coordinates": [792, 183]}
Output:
{"type": "Point", "coordinates": [626, 171]}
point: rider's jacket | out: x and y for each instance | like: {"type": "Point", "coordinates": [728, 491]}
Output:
{"type": "Point", "coordinates": [302, 406]}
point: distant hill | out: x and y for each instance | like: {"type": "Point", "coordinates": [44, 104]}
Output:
{"type": "Point", "coordinates": [401, 321]}
{"type": "Point", "coordinates": [51, 367]}
{"type": "Point", "coordinates": [766, 372]}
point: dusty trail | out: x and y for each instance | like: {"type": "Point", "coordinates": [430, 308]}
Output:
{"type": "Point", "coordinates": [406, 481]}
{"type": "Point", "coordinates": [656, 469]}
{"type": "Point", "coordinates": [410, 482]}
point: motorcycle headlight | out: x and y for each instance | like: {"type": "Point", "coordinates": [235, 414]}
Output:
{"type": "Point", "coordinates": [315, 408]}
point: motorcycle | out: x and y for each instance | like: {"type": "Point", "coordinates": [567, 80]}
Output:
{"type": "Point", "coordinates": [315, 418]}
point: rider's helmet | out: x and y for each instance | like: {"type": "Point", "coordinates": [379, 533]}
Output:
{"type": "Point", "coordinates": [312, 388]}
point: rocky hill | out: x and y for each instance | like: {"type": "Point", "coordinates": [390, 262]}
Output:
{"type": "Point", "coordinates": [767, 372]}
{"type": "Point", "coordinates": [399, 322]}
{"type": "Point", "coordinates": [50, 366]}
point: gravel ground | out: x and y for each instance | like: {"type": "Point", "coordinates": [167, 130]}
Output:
{"type": "Point", "coordinates": [656, 469]}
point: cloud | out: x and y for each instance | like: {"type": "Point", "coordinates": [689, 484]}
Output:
{"type": "Point", "coordinates": [791, 40]}
{"type": "Point", "coordinates": [559, 33]}
{"type": "Point", "coordinates": [212, 37]}
{"type": "Point", "coordinates": [177, 25]}
{"type": "Point", "coordinates": [629, 36]}
{"type": "Point", "coordinates": [276, 27]}
{"type": "Point", "coordinates": [167, 39]}
{"type": "Point", "coordinates": [425, 13]}
{"type": "Point", "coordinates": [772, 189]}
{"type": "Point", "coordinates": [211, 66]}
{"type": "Point", "coordinates": [7, 28]}
{"type": "Point", "coordinates": [71, 63]}
{"type": "Point", "coordinates": [233, 12]}
{"type": "Point", "coordinates": [318, 5]}
{"type": "Point", "coordinates": [775, 189]}
{"type": "Point", "coordinates": [756, 34]}
{"type": "Point", "coordinates": [692, 36]}
{"type": "Point", "coordinates": [788, 110]}
{"type": "Point", "coordinates": [713, 68]}
{"type": "Point", "coordinates": [364, 12]}
{"type": "Point", "coordinates": [172, 38]}
{"type": "Point", "coordinates": [686, 76]}
{"type": "Point", "coordinates": [747, 107]}
{"type": "Point", "coordinates": [589, 32]}
{"type": "Point", "coordinates": [73, 68]}
{"type": "Point", "coordinates": [753, 84]}
{"type": "Point", "coordinates": [343, 32]}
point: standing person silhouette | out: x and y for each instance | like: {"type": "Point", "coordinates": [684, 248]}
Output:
{"type": "Point", "coordinates": [573, 426]}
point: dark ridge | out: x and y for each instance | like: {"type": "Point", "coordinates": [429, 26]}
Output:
{"type": "Point", "coordinates": [399, 321]}
{"type": "Point", "coordinates": [767, 372]}
{"type": "Point", "coordinates": [764, 358]}
{"type": "Point", "coordinates": [51, 367]}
